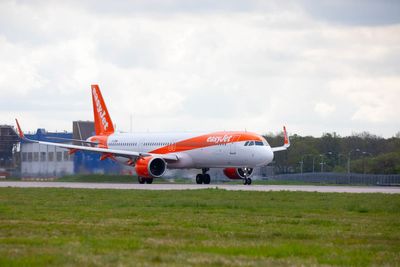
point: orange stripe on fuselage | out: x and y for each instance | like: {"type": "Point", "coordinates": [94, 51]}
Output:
{"type": "Point", "coordinates": [212, 139]}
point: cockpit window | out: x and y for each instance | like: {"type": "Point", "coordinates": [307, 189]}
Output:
{"type": "Point", "coordinates": [259, 143]}
{"type": "Point", "coordinates": [247, 143]}
{"type": "Point", "coordinates": [251, 143]}
{"type": "Point", "coordinates": [265, 142]}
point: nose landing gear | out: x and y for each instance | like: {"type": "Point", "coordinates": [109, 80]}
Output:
{"type": "Point", "coordinates": [246, 180]}
{"type": "Point", "coordinates": [203, 177]}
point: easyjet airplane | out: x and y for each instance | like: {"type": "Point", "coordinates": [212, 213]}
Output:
{"type": "Point", "coordinates": [152, 153]}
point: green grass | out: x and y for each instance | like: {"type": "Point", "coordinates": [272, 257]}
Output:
{"type": "Point", "coordinates": [81, 227]}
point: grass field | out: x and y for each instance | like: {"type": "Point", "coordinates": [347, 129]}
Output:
{"type": "Point", "coordinates": [81, 227]}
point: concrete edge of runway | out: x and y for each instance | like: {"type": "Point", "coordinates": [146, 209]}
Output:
{"type": "Point", "coordinates": [230, 187]}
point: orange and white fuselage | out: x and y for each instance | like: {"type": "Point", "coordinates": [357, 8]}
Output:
{"type": "Point", "coordinates": [238, 152]}
{"type": "Point", "coordinates": [197, 150]}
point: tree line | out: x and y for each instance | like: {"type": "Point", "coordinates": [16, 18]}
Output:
{"type": "Point", "coordinates": [366, 153]}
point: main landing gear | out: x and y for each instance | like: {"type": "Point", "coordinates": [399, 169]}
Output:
{"type": "Point", "coordinates": [143, 180]}
{"type": "Point", "coordinates": [247, 181]}
{"type": "Point", "coordinates": [203, 177]}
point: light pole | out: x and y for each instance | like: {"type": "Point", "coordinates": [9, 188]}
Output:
{"type": "Point", "coordinates": [348, 158]}
{"type": "Point", "coordinates": [322, 162]}
{"type": "Point", "coordinates": [302, 161]}
{"type": "Point", "coordinates": [340, 155]}
{"type": "Point", "coordinates": [365, 153]}
{"type": "Point", "coordinates": [330, 153]}
{"type": "Point", "coordinates": [313, 161]}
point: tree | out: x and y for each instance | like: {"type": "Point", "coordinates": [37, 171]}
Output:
{"type": "Point", "coordinates": [331, 145]}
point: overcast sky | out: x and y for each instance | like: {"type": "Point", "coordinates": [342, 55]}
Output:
{"type": "Point", "coordinates": [314, 66]}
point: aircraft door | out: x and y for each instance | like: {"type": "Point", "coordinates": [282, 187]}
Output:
{"type": "Point", "coordinates": [172, 146]}
{"type": "Point", "coordinates": [140, 146]}
{"type": "Point", "coordinates": [232, 145]}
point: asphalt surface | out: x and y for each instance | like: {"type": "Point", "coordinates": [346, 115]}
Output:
{"type": "Point", "coordinates": [232, 187]}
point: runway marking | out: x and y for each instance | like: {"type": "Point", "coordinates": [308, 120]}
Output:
{"type": "Point", "coordinates": [231, 187]}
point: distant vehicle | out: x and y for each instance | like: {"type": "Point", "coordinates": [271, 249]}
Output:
{"type": "Point", "coordinates": [4, 173]}
{"type": "Point", "coordinates": [237, 152]}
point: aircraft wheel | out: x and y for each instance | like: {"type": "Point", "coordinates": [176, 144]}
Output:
{"type": "Point", "coordinates": [199, 178]}
{"type": "Point", "coordinates": [149, 181]}
{"type": "Point", "coordinates": [206, 178]}
{"type": "Point", "coordinates": [141, 180]}
{"type": "Point", "coordinates": [249, 181]}
{"type": "Point", "coordinates": [245, 181]}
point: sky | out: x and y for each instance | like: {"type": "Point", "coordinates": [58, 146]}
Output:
{"type": "Point", "coordinates": [191, 65]}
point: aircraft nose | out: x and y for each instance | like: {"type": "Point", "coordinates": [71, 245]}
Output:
{"type": "Point", "coordinates": [268, 155]}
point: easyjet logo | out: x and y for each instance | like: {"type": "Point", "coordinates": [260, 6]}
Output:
{"type": "Point", "coordinates": [100, 111]}
{"type": "Point", "coordinates": [219, 139]}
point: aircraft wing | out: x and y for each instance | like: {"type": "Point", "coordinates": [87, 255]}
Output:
{"type": "Point", "coordinates": [286, 142]}
{"type": "Point", "coordinates": [73, 140]}
{"type": "Point", "coordinates": [114, 152]}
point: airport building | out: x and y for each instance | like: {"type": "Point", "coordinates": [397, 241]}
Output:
{"type": "Point", "coordinates": [45, 161]}
{"type": "Point", "coordinates": [9, 159]}
{"type": "Point", "coordinates": [50, 161]}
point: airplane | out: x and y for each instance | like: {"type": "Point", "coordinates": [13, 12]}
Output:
{"type": "Point", "coordinates": [236, 152]}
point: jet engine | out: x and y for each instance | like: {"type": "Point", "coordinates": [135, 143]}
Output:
{"type": "Point", "coordinates": [150, 167]}
{"type": "Point", "coordinates": [238, 173]}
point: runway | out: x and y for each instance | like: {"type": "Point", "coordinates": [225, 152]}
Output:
{"type": "Point", "coordinates": [230, 187]}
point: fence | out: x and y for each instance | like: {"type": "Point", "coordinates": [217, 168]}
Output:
{"type": "Point", "coordinates": [340, 178]}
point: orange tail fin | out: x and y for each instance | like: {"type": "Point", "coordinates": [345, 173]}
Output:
{"type": "Point", "coordinates": [102, 120]}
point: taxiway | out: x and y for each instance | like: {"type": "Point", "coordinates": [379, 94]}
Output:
{"type": "Point", "coordinates": [232, 187]}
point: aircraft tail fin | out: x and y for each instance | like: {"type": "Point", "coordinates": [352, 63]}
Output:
{"type": "Point", "coordinates": [102, 121]}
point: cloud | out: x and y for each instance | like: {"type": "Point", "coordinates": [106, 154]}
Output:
{"type": "Point", "coordinates": [324, 109]}
{"type": "Point", "coordinates": [375, 99]}
{"type": "Point", "coordinates": [356, 12]}
{"type": "Point", "coordinates": [197, 66]}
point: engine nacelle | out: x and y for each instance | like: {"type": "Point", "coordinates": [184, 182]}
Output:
{"type": "Point", "coordinates": [150, 167]}
{"type": "Point", "coordinates": [237, 173]}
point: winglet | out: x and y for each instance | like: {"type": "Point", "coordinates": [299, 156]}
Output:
{"type": "Point", "coordinates": [286, 141]}
{"type": "Point", "coordinates": [20, 133]}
